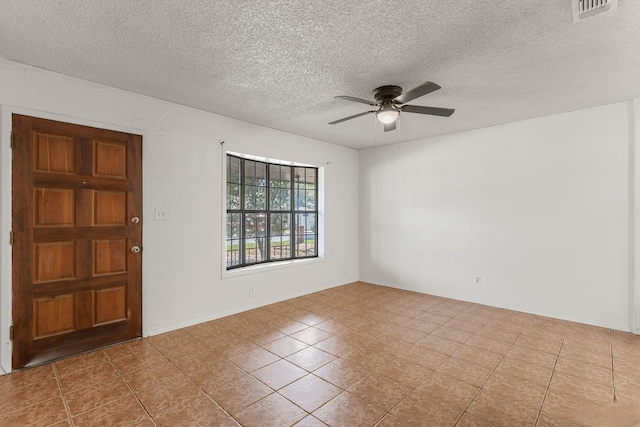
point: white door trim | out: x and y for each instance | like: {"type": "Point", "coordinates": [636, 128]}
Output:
{"type": "Point", "coordinates": [635, 221]}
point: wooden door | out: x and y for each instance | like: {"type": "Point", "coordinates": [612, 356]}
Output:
{"type": "Point", "coordinates": [77, 214]}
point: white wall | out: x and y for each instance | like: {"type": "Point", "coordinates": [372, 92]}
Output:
{"type": "Point", "coordinates": [539, 209]}
{"type": "Point", "coordinates": [182, 162]}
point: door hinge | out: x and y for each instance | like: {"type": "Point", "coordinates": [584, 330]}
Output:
{"type": "Point", "coordinates": [11, 237]}
{"type": "Point", "coordinates": [11, 332]}
{"type": "Point", "coordinates": [12, 140]}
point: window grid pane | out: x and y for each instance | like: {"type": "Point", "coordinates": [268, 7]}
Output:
{"type": "Point", "coordinates": [255, 238]}
{"type": "Point", "coordinates": [279, 187]}
{"type": "Point", "coordinates": [280, 236]}
{"type": "Point", "coordinates": [233, 239]}
{"type": "Point", "coordinates": [255, 183]}
{"type": "Point", "coordinates": [307, 236]}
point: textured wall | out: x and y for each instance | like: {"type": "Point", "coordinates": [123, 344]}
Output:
{"type": "Point", "coordinates": [538, 209]}
{"type": "Point", "coordinates": [182, 173]}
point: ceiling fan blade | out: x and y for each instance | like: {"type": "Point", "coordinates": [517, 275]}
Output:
{"type": "Point", "coordinates": [417, 92]}
{"type": "Point", "coordinates": [389, 126]}
{"type": "Point", "coordinates": [434, 111]}
{"type": "Point", "coordinates": [360, 100]}
{"type": "Point", "coordinates": [351, 117]}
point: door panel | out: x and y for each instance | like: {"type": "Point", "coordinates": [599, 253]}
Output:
{"type": "Point", "coordinates": [76, 284]}
{"type": "Point", "coordinates": [53, 315]}
{"type": "Point", "coordinates": [54, 207]}
{"type": "Point", "coordinates": [54, 261]}
{"type": "Point", "coordinates": [110, 208]}
{"type": "Point", "coordinates": [54, 153]}
{"type": "Point", "coordinates": [110, 305]}
{"type": "Point", "coordinates": [110, 256]}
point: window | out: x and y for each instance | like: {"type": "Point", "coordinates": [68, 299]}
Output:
{"type": "Point", "coordinates": [272, 212]}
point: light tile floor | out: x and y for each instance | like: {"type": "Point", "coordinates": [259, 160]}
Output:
{"type": "Point", "coordinates": [355, 355]}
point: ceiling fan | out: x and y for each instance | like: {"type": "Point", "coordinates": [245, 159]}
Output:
{"type": "Point", "coordinates": [389, 100]}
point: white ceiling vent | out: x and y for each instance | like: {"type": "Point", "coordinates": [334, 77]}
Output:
{"type": "Point", "coordinates": [583, 9]}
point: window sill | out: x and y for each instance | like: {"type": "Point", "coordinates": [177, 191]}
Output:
{"type": "Point", "coordinates": [261, 268]}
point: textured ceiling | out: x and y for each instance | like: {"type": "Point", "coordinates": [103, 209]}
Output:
{"type": "Point", "coordinates": [279, 63]}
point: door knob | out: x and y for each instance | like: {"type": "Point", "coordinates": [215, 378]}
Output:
{"type": "Point", "coordinates": [135, 249]}
{"type": "Point", "coordinates": [135, 220]}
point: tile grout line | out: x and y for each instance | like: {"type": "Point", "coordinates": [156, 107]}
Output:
{"type": "Point", "coordinates": [346, 390]}
{"type": "Point", "coordinates": [387, 412]}
{"type": "Point", "coordinates": [433, 370]}
{"type": "Point", "coordinates": [553, 371]}
{"type": "Point", "coordinates": [308, 414]}
{"type": "Point", "coordinates": [613, 372]}
{"type": "Point", "coordinates": [65, 401]}
{"type": "Point", "coordinates": [487, 379]}
{"type": "Point", "coordinates": [449, 357]}
{"type": "Point", "coordinates": [371, 373]}
{"type": "Point", "coordinates": [343, 390]}
{"type": "Point", "coordinates": [442, 362]}
{"type": "Point", "coordinates": [247, 373]}
{"type": "Point", "coordinates": [64, 397]}
{"type": "Point", "coordinates": [192, 382]}
{"type": "Point", "coordinates": [135, 395]}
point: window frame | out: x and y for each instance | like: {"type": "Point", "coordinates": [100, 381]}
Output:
{"type": "Point", "coordinates": [247, 263]}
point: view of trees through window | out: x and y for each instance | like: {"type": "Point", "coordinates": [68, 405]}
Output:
{"type": "Point", "coordinates": [272, 212]}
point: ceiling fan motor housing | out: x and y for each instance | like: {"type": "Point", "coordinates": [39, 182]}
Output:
{"type": "Point", "coordinates": [386, 93]}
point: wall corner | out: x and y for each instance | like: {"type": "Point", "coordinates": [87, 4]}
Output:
{"type": "Point", "coordinates": [634, 222]}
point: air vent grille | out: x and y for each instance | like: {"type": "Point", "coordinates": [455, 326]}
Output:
{"type": "Point", "coordinates": [583, 9]}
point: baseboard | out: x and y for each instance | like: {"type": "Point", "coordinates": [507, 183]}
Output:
{"type": "Point", "coordinates": [518, 309]}
{"type": "Point", "coordinates": [235, 311]}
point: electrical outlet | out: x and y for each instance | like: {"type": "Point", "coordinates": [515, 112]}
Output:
{"type": "Point", "coordinates": [252, 292]}
{"type": "Point", "coordinates": [161, 214]}
{"type": "Point", "coordinates": [478, 280]}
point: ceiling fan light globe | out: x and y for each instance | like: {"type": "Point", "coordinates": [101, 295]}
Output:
{"type": "Point", "coordinates": [387, 116]}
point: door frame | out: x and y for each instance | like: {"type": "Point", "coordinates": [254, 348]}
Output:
{"type": "Point", "coordinates": [6, 274]}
